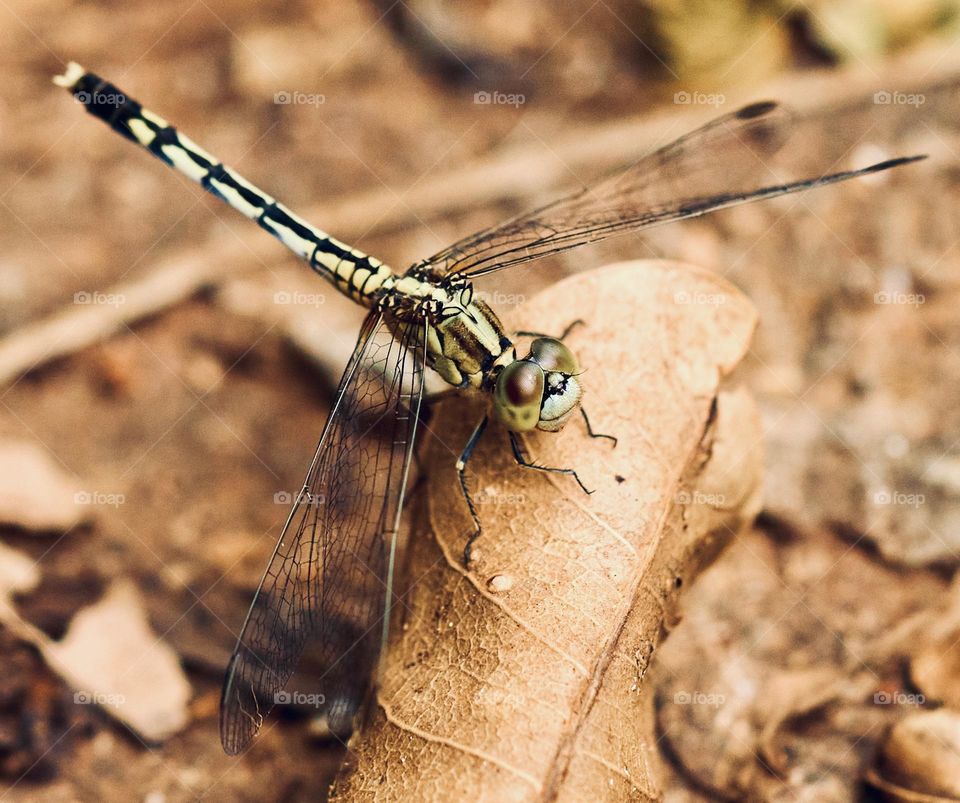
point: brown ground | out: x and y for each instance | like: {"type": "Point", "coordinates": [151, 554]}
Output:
{"type": "Point", "coordinates": [199, 415]}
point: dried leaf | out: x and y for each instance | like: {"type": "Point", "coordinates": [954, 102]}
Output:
{"type": "Point", "coordinates": [935, 662]}
{"type": "Point", "coordinates": [18, 573]}
{"type": "Point", "coordinates": [524, 677]}
{"type": "Point", "coordinates": [35, 492]}
{"type": "Point", "coordinates": [788, 696]}
{"type": "Point", "coordinates": [112, 659]}
{"type": "Point", "coordinates": [919, 760]}
{"type": "Point", "coordinates": [788, 665]}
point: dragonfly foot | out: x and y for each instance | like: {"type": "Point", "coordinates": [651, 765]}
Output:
{"type": "Point", "coordinates": [522, 461]}
{"type": "Point", "coordinates": [462, 476]}
{"type": "Point", "coordinates": [593, 434]}
{"type": "Point", "coordinates": [468, 549]}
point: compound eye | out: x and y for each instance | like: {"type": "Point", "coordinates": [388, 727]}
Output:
{"type": "Point", "coordinates": [518, 395]}
{"type": "Point", "coordinates": [551, 355]}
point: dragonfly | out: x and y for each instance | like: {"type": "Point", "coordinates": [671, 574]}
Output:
{"type": "Point", "coordinates": [329, 579]}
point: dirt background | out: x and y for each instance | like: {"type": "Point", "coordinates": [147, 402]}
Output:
{"type": "Point", "coordinates": [835, 619]}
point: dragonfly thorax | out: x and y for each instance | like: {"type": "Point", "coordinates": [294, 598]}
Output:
{"type": "Point", "coordinates": [468, 347]}
{"type": "Point", "coordinates": [466, 343]}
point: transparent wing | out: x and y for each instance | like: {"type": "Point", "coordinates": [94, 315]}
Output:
{"type": "Point", "coordinates": [739, 157]}
{"type": "Point", "coordinates": [330, 575]}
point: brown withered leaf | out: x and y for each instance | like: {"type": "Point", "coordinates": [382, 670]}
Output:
{"type": "Point", "coordinates": [36, 493]}
{"type": "Point", "coordinates": [789, 664]}
{"type": "Point", "coordinates": [935, 658]}
{"type": "Point", "coordinates": [523, 678]}
{"type": "Point", "coordinates": [109, 655]}
{"type": "Point", "coordinates": [918, 760]}
{"type": "Point", "coordinates": [112, 658]}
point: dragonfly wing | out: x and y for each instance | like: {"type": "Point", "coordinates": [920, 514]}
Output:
{"type": "Point", "coordinates": [757, 152]}
{"type": "Point", "coordinates": [329, 578]}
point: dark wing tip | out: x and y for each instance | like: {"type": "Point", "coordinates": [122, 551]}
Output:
{"type": "Point", "coordinates": [234, 743]}
{"type": "Point", "coordinates": [754, 110]}
{"type": "Point", "coordinates": [900, 160]}
{"type": "Point", "coordinates": [236, 734]}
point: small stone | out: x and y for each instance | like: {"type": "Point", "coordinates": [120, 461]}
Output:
{"type": "Point", "coordinates": [203, 374]}
{"type": "Point", "coordinates": [500, 583]}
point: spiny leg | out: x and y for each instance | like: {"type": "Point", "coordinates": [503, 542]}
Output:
{"type": "Point", "coordinates": [521, 460]}
{"type": "Point", "coordinates": [461, 474]}
{"type": "Point", "coordinates": [590, 431]}
{"type": "Point", "coordinates": [567, 331]}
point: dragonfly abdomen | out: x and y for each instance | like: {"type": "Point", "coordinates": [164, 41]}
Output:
{"type": "Point", "coordinates": [358, 276]}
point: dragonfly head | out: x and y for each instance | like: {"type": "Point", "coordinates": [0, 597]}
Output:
{"type": "Point", "coordinates": [541, 391]}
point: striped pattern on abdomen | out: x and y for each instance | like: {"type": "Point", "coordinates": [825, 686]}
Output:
{"type": "Point", "coordinates": [355, 274]}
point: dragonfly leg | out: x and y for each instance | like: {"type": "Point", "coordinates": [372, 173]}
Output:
{"type": "Point", "coordinates": [521, 460]}
{"type": "Point", "coordinates": [461, 474]}
{"type": "Point", "coordinates": [593, 434]}
{"type": "Point", "coordinates": [567, 331]}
